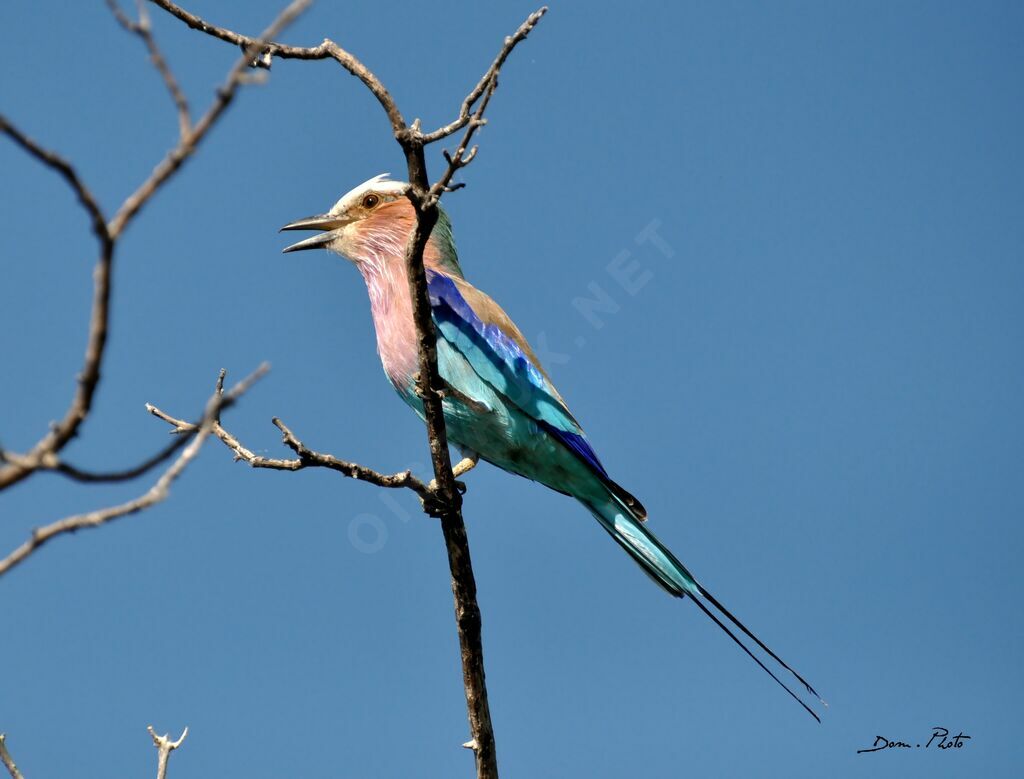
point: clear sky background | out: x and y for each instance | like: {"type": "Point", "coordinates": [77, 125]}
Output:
{"type": "Point", "coordinates": [817, 394]}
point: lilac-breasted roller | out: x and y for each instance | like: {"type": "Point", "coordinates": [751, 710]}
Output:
{"type": "Point", "coordinates": [499, 403]}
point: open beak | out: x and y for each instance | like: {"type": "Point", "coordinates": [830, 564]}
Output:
{"type": "Point", "coordinates": [328, 223]}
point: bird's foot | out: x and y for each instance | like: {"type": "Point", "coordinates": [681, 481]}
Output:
{"type": "Point", "coordinates": [434, 506]}
{"type": "Point", "coordinates": [465, 465]}
{"type": "Point", "coordinates": [459, 485]}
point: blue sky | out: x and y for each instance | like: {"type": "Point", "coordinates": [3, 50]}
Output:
{"type": "Point", "coordinates": [815, 391]}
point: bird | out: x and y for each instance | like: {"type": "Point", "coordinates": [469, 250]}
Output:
{"type": "Point", "coordinates": [499, 403]}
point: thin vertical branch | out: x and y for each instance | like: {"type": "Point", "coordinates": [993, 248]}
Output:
{"type": "Point", "coordinates": [429, 387]}
{"type": "Point", "coordinates": [144, 30]}
{"type": "Point", "coordinates": [448, 504]}
{"type": "Point", "coordinates": [164, 747]}
{"type": "Point", "coordinates": [17, 467]}
{"type": "Point", "coordinates": [7, 760]}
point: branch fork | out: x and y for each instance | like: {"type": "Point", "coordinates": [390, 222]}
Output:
{"type": "Point", "coordinates": [164, 747]}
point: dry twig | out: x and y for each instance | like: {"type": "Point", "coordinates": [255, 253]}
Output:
{"type": "Point", "coordinates": [307, 458]}
{"type": "Point", "coordinates": [75, 473]}
{"type": "Point", "coordinates": [143, 29]}
{"type": "Point", "coordinates": [155, 494]}
{"type": "Point", "coordinates": [7, 760]}
{"type": "Point", "coordinates": [164, 747]}
{"type": "Point", "coordinates": [18, 466]}
{"type": "Point", "coordinates": [187, 145]}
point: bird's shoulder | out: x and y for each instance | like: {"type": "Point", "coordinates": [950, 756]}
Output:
{"type": "Point", "coordinates": [470, 303]}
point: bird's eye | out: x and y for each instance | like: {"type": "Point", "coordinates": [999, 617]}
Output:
{"type": "Point", "coordinates": [370, 201]}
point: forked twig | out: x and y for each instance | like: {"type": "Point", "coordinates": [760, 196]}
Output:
{"type": "Point", "coordinates": [155, 494]}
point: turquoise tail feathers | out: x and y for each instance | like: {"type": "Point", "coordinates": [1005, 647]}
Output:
{"type": "Point", "coordinates": [658, 562]}
{"type": "Point", "coordinates": [643, 546]}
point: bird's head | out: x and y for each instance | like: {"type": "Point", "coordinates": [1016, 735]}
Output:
{"type": "Point", "coordinates": [371, 225]}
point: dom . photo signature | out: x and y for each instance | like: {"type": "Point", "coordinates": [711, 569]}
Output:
{"type": "Point", "coordinates": [940, 739]}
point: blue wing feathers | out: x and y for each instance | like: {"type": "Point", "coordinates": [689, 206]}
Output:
{"type": "Point", "coordinates": [500, 360]}
{"type": "Point", "coordinates": [495, 355]}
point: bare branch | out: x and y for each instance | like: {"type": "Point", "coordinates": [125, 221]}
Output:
{"type": "Point", "coordinates": [63, 431]}
{"type": "Point", "coordinates": [7, 760]}
{"type": "Point", "coordinates": [429, 388]}
{"type": "Point", "coordinates": [263, 50]}
{"type": "Point", "coordinates": [127, 474]}
{"type": "Point", "coordinates": [473, 118]}
{"type": "Point", "coordinates": [448, 506]}
{"type": "Point", "coordinates": [187, 145]}
{"type": "Point", "coordinates": [164, 747]}
{"type": "Point", "coordinates": [486, 81]}
{"type": "Point", "coordinates": [328, 49]}
{"type": "Point", "coordinates": [143, 29]}
{"type": "Point", "coordinates": [429, 385]}
{"type": "Point", "coordinates": [62, 166]}
{"type": "Point", "coordinates": [462, 157]}
{"type": "Point", "coordinates": [155, 494]}
{"type": "Point", "coordinates": [468, 623]}
{"type": "Point", "coordinates": [307, 458]}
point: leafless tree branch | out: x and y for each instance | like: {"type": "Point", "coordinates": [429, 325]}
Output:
{"type": "Point", "coordinates": [7, 760]}
{"type": "Point", "coordinates": [143, 29]}
{"type": "Point", "coordinates": [328, 49]}
{"type": "Point", "coordinates": [430, 389]}
{"type": "Point", "coordinates": [462, 157]}
{"type": "Point", "coordinates": [65, 169]}
{"type": "Point", "coordinates": [43, 455]}
{"type": "Point", "coordinates": [164, 747]}
{"type": "Point", "coordinates": [155, 494]}
{"type": "Point", "coordinates": [262, 50]}
{"type": "Point", "coordinates": [307, 458]}
{"type": "Point", "coordinates": [488, 80]}
{"type": "Point", "coordinates": [187, 145]}
{"type": "Point", "coordinates": [75, 473]}
{"type": "Point", "coordinates": [18, 467]}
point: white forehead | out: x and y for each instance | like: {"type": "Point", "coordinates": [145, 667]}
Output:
{"type": "Point", "coordinates": [380, 183]}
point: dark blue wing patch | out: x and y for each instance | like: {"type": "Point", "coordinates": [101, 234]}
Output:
{"type": "Point", "coordinates": [579, 445]}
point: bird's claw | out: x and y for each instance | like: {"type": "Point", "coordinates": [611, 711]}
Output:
{"type": "Point", "coordinates": [434, 503]}
{"type": "Point", "coordinates": [432, 506]}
